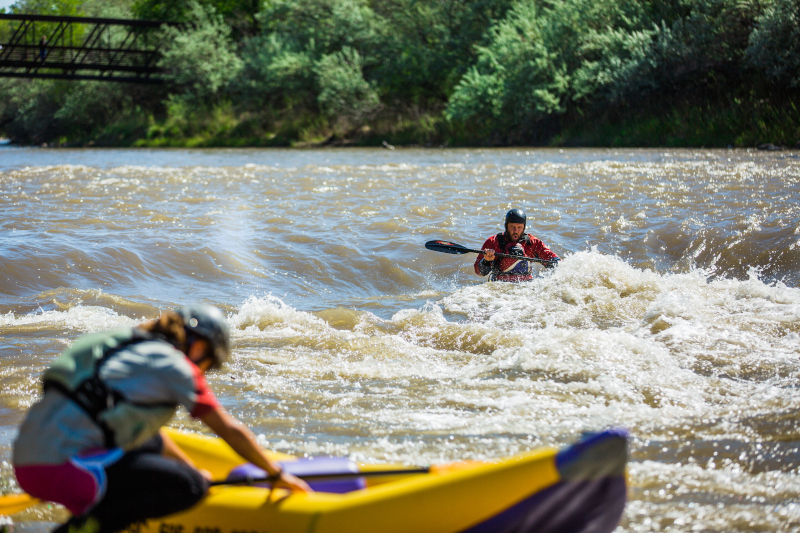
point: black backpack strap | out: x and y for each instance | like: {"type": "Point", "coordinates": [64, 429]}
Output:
{"type": "Point", "coordinates": [89, 397]}
{"type": "Point", "coordinates": [93, 395]}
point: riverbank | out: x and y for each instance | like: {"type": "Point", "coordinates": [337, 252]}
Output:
{"type": "Point", "coordinates": [705, 124]}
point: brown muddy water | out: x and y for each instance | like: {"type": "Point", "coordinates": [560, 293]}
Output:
{"type": "Point", "coordinates": [675, 312]}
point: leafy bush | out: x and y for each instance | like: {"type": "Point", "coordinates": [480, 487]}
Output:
{"type": "Point", "coordinates": [343, 91]}
{"type": "Point", "coordinates": [616, 62]}
{"type": "Point", "coordinates": [27, 109]}
{"type": "Point", "coordinates": [426, 47]}
{"type": "Point", "coordinates": [240, 15]}
{"type": "Point", "coordinates": [322, 26]}
{"type": "Point", "coordinates": [774, 44]}
{"type": "Point", "coordinates": [275, 71]}
{"type": "Point", "coordinates": [525, 71]}
{"type": "Point", "coordinates": [311, 53]}
{"type": "Point", "coordinates": [202, 60]}
{"type": "Point", "coordinates": [90, 105]}
{"type": "Point", "coordinates": [546, 58]}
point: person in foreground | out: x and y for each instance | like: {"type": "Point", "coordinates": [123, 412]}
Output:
{"type": "Point", "coordinates": [513, 241]}
{"type": "Point", "coordinates": [94, 442]}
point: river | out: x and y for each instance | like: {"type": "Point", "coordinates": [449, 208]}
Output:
{"type": "Point", "coordinates": [675, 311]}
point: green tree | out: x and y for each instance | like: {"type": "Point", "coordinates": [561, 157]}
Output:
{"type": "Point", "coordinates": [27, 109]}
{"type": "Point", "coordinates": [324, 26]}
{"type": "Point", "coordinates": [63, 8]}
{"type": "Point", "coordinates": [426, 47]}
{"type": "Point", "coordinates": [523, 74]}
{"type": "Point", "coordinates": [343, 91]}
{"type": "Point", "coordinates": [547, 58]}
{"type": "Point", "coordinates": [774, 44]}
{"type": "Point", "coordinates": [240, 15]}
{"type": "Point", "coordinates": [300, 53]}
{"type": "Point", "coordinates": [39, 7]}
{"type": "Point", "coordinates": [277, 71]}
{"type": "Point", "coordinates": [200, 59]}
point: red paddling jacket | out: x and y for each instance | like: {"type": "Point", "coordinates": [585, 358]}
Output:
{"type": "Point", "coordinates": [507, 269]}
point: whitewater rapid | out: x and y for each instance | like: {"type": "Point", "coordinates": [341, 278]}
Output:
{"type": "Point", "coordinates": [674, 313]}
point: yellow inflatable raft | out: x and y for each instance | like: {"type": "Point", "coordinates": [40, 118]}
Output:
{"type": "Point", "coordinates": [580, 489]}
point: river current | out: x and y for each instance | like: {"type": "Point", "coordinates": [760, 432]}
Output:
{"type": "Point", "coordinates": [675, 311]}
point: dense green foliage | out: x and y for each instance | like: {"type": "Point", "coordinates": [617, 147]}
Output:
{"type": "Point", "coordinates": [478, 72]}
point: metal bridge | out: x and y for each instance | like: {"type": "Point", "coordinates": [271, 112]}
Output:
{"type": "Point", "coordinates": [80, 48]}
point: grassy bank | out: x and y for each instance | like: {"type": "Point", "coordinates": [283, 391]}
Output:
{"type": "Point", "coordinates": [734, 122]}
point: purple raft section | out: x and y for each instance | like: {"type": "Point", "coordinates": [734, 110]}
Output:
{"type": "Point", "coordinates": [309, 466]}
{"type": "Point", "coordinates": [590, 497]}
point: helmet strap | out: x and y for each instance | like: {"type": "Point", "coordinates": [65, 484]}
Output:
{"type": "Point", "coordinates": [206, 357]}
{"type": "Point", "coordinates": [208, 353]}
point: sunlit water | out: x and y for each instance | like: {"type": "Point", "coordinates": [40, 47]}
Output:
{"type": "Point", "coordinates": [675, 312]}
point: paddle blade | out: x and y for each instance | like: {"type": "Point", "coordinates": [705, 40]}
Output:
{"type": "Point", "coordinates": [448, 247]}
{"type": "Point", "coordinates": [14, 503]}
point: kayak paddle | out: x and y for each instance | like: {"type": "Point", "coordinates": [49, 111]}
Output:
{"type": "Point", "coordinates": [316, 477]}
{"type": "Point", "coordinates": [453, 248]}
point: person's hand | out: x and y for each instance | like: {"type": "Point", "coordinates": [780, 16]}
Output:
{"type": "Point", "coordinates": [206, 474]}
{"type": "Point", "coordinates": [291, 482]}
{"type": "Point", "coordinates": [488, 255]}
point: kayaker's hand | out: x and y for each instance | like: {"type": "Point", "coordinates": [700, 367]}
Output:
{"type": "Point", "coordinates": [488, 255]}
{"type": "Point", "coordinates": [206, 474]}
{"type": "Point", "coordinates": [292, 482]}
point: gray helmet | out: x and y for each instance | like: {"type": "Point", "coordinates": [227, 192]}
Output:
{"type": "Point", "coordinates": [516, 216]}
{"type": "Point", "coordinates": [208, 322]}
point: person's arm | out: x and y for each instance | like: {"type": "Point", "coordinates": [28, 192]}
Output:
{"type": "Point", "coordinates": [173, 450]}
{"type": "Point", "coordinates": [244, 443]}
{"type": "Point", "coordinates": [483, 264]}
{"type": "Point", "coordinates": [541, 251]}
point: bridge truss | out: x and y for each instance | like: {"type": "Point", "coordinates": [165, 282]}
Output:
{"type": "Point", "coordinates": [80, 48]}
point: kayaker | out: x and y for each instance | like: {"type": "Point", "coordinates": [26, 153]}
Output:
{"type": "Point", "coordinates": [512, 241]}
{"type": "Point", "coordinates": [94, 444]}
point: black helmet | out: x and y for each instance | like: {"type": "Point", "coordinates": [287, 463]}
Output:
{"type": "Point", "coordinates": [516, 216]}
{"type": "Point", "coordinates": [208, 322]}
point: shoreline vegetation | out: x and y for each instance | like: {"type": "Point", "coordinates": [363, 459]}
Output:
{"type": "Point", "coordinates": [481, 73]}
